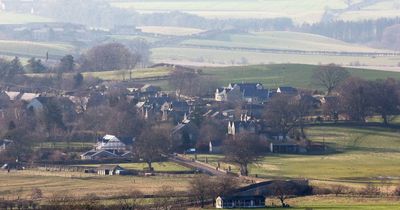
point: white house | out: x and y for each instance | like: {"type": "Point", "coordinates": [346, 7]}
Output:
{"type": "Point", "coordinates": [111, 143]}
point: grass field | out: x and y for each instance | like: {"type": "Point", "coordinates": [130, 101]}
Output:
{"type": "Point", "coordinates": [283, 74]}
{"type": "Point", "coordinates": [282, 40]}
{"type": "Point", "coordinates": [271, 76]}
{"type": "Point", "coordinates": [173, 31]}
{"type": "Point", "coordinates": [15, 18]}
{"type": "Point", "coordinates": [215, 57]}
{"type": "Point", "coordinates": [149, 39]}
{"type": "Point", "coordinates": [124, 74]}
{"type": "Point", "coordinates": [364, 154]}
{"type": "Point", "coordinates": [34, 49]}
{"type": "Point", "coordinates": [79, 184]}
{"type": "Point", "coordinates": [299, 11]}
{"type": "Point", "coordinates": [308, 10]}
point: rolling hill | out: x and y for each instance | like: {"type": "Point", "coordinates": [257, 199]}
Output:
{"type": "Point", "coordinates": [34, 49]}
{"type": "Point", "coordinates": [299, 11]}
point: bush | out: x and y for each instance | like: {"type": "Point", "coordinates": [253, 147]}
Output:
{"type": "Point", "coordinates": [370, 190]}
{"type": "Point", "coordinates": [397, 191]}
{"type": "Point", "coordinates": [321, 191]}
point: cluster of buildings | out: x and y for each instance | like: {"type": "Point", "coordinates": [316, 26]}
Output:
{"type": "Point", "coordinates": [184, 113]}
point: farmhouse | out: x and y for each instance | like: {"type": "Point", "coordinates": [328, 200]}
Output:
{"type": "Point", "coordinates": [110, 170]}
{"type": "Point", "coordinates": [287, 90]}
{"type": "Point", "coordinates": [247, 92]}
{"type": "Point", "coordinates": [244, 125]}
{"type": "Point", "coordinates": [112, 143]}
{"type": "Point", "coordinates": [240, 202]}
{"type": "Point", "coordinates": [110, 147]}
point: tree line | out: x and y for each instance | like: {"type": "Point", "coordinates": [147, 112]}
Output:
{"type": "Point", "coordinates": [362, 31]}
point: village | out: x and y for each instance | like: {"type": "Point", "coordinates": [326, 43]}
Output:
{"type": "Point", "coordinates": [235, 110]}
{"type": "Point", "coordinates": [189, 105]}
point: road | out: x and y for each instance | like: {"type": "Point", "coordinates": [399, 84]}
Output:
{"type": "Point", "coordinates": [203, 167]}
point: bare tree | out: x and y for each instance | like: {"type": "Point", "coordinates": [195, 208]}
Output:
{"type": "Point", "coordinates": [112, 56]}
{"type": "Point", "coordinates": [201, 189]}
{"type": "Point", "coordinates": [282, 191]}
{"type": "Point", "coordinates": [243, 149]}
{"type": "Point", "coordinates": [281, 114]}
{"type": "Point", "coordinates": [355, 98]}
{"type": "Point", "coordinates": [329, 76]}
{"type": "Point", "coordinates": [384, 98]}
{"type": "Point", "coordinates": [151, 145]}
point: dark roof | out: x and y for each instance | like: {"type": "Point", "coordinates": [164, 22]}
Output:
{"type": "Point", "coordinates": [246, 197]}
{"type": "Point", "coordinates": [244, 124]}
{"type": "Point", "coordinates": [158, 101]}
{"type": "Point", "coordinates": [110, 167]}
{"type": "Point", "coordinates": [288, 90]}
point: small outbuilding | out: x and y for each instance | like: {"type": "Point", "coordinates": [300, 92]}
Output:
{"type": "Point", "coordinates": [110, 170]}
{"type": "Point", "coordinates": [229, 202]}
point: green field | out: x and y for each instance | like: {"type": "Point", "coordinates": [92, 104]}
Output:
{"type": "Point", "coordinates": [271, 76]}
{"type": "Point", "coordinates": [308, 10]}
{"type": "Point", "coordinates": [296, 75]}
{"type": "Point", "coordinates": [16, 18]}
{"type": "Point", "coordinates": [79, 184]}
{"type": "Point", "coordinates": [35, 49]}
{"type": "Point", "coordinates": [215, 57]}
{"type": "Point", "coordinates": [173, 31]}
{"type": "Point", "coordinates": [136, 74]}
{"type": "Point", "coordinates": [282, 40]}
{"type": "Point", "coordinates": [364, 154]}
{"type": "Point", "coordinates": [299, 11]}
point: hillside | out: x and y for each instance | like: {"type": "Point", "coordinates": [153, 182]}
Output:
{"type": "Point", "coordinates": [34, 49]}
{"type": "Point", "coordinates": [283, 40]}
{"type": "Point", "coordinates": [16, 18]}
{"type": "Point", "coordinates": [299, 11]}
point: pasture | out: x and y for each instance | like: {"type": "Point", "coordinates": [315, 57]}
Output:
{"type": "Point", "coordinates": [16, 18]}
{"type": "Point", "coordinates": [217, 57]}
{"type": "Point", "coordinates": [282, 40]}
{"type": "Point", "coordinates": [308, 10]}
{"type": "Point", "coordinates": [35, 49]}
{"type": "Point", "coordinates": [271, 76]}
{"type": "Point", "coordinates": [299, 11]}
{"type": "Point", "coordinates": [171, 31]}
{"type": "Point", "coordinates": [21, 183]}
{"type": "Point", "coordinates": [363, 155]}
